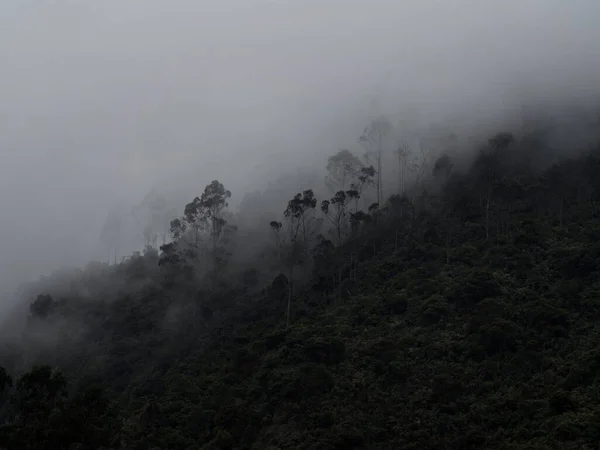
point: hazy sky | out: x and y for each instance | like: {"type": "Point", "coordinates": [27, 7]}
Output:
{"type": "Point", "coordinates": [100, 100]}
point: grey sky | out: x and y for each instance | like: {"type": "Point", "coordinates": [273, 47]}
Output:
{"type": "Point", "coordinates": [100, 100]}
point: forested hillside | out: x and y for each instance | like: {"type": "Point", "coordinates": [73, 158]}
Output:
{"type": "Point", "coordinates": [453, 307]}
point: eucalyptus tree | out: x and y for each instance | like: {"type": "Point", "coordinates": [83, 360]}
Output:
{"type": "Point", "coordinates": [299, 215]}
{"type": "Point", "coordinates": [213, 201]}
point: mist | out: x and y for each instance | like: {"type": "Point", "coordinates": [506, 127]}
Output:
{"type": "Point", "coordinates": [103, 101]}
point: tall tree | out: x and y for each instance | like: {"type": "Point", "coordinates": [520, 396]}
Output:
{"type": "Point", "coordinates": [365, 178]}
{"type": "Point", "coordinates": [298, 214]}
{"type": "Point", "coordinates": [195, 216]}
{"type": "Point", "coordinates": [301, 209]}
{"type": "Point", "coordinates": [111, 232]}
{"type": "Point", "coordinates": [279, 243]}
{"type": "Point", "coordinates": [335, 211]}
{"type": "Point", "coordinates": [403, 152]}
{"type": "Point", "coordinates": [373, 139]}
{"type": "Point", "coordinates": [342, 170]}
{"type": "Point", "coordinates": [213, 201]}
{"type": "Point", "coordinates": [487, 168]}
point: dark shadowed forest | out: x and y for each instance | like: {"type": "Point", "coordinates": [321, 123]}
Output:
{"type": "Point", "coordinates": [435, 292]}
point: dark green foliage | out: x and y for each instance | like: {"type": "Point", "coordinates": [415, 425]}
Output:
{"type": "Point", "coordinates": [44, 417]}
{"type": "Point", "coordinates": [464, 320]}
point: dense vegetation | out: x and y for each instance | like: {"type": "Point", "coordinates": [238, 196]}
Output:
{"type": "Point", "coordinates": [462, 314]}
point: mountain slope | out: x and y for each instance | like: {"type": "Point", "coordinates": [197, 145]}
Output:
{"type": "Point", "coordinates": [463, 319]}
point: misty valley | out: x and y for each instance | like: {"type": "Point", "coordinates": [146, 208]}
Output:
{"type": "Point", "coordinates": [299, 225]}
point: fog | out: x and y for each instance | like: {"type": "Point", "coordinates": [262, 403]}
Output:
{"type": "Point", "coordinates": [102, 101]}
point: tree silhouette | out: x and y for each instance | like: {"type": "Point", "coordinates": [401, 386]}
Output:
{"type": "Point", "coordinates": [298, 215]}
{"type": "Point", "coordinates": [111, 232]}
{"type": "Point", "coordinates": [404, 153]}
{"type": "Point", "coordinates": [373, 138]}
{"type": "Point", "coordinates": [195, 217]}
{"type": "Point", "coordinates": [343, 169]}
{"type": "Point", "coordinates": [487, 168]}
{"type": "Point", "coordinates": [335, 211]}
{"type": "Point", "coordinates": [212, 202]}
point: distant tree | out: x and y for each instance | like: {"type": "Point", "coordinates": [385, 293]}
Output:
{"type": "Point", "coordinates": [224, 250]}
{"type": "Point", "coordinates": [357, 218]}
{"type": "Point", "coordinates": [335, 211]}
{"type": "Point", "coordinates": [400, 206]}
{"type": "Point", "coordinates": [487, 168]}
{"type": "Point", "coordinates": [419, 166]}
{"type": "Point", "coordinates": [343, 169]}
{"type": "Point", "coordinates": [403, 153]}
{"type": "Point", "coordinates": [208, 209]}
{"type": "Point", "coordinates": [178, 228]}
{"type": "Point", "coordinates": [374, 211]}
{"type": "Point", "coordinates": [169, 255]}
{"type": "Point", "coordinates": [150, 236]}
{"type": "Point", "coordinates": [165, 227]}
{"type": "Point", "coordinates": [301, 209]}
{"type": "Point", "coordinates": [365, 178]}
{"type": "Point", "coordinates": [213, 201]}
{"type": "Point", "coordinates": [290, 257]}
{"type": "Point", "coordinates": [299, 214]}
{"type": "Point", "coordinates": [204, 213]}
{"type": "Point", "coordinates": [276, 229]}
{"type": "Point", "coordinates": [373, 139]}
{"type": "Point", "coordinates": [111, 232]}
{"type": "Point", "coordinates": [195, 217]}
